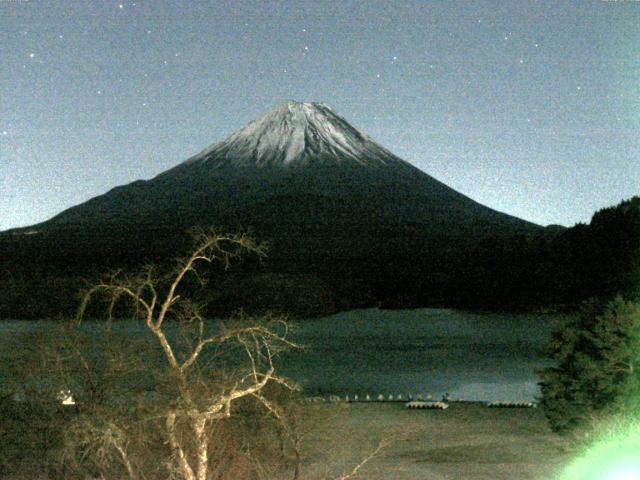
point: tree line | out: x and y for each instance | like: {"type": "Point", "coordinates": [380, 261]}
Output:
{"type": "Point", "coordinates": [555, 269]}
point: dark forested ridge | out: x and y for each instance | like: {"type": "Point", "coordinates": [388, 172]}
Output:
{"type": "Point", "coordinates": [326, 266]}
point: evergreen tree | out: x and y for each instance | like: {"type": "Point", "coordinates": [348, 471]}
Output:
{"type": "Point", "coordinates": [596, 363]}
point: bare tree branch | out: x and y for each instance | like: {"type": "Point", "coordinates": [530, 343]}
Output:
{"type": "Point", "coordinates": [382, 445]}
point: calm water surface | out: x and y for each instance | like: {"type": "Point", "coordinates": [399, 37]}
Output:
{"type": "Point", "coordinates": [426, 351]}
{"type": "Point", "coordinates": [420, 352]}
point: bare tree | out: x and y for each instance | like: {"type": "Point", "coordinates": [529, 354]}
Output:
{"type": "Point", "coordinates": [196, 405]}
{"type": "Point", "coordinates": [179, 398]}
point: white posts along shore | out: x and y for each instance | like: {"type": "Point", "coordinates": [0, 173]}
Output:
{"type": "Point", "coordinates": [368, 397]}
{"type": "Point", "coordinates": [418, 401]}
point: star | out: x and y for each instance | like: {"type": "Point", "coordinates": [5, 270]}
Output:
{"type": "Point", "coordinates": [521, 61]}
{"type": "Point", "coordinates": [5, 133]}
{"type": "Point", "coordinates": [121, 6]}
{"type": "Point", "coordinates": [99, 92]}
{"type": "Point", "coordinates": [377, 75]}
{"type": "Point", "coordinates": [60, 36]}
{"type": "Point", "coordinates": [536, 45]}
{"type": "Point", "coordinates": [32, 55]}
{"type": "Point", "coordinates": [306, 48]}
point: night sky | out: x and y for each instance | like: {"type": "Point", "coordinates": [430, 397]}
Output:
{"type": "Point", "coordinates": [529, 107]}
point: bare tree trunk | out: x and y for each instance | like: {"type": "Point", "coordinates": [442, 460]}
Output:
{"type": "Point", "coordinates": [296, 471]}
{"type": "Point", "coordinates": [202, 443]}
{"type": "Point", "coordinates": [183, 464]}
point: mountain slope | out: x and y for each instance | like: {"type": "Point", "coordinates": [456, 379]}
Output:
{"type": "Point", "coordinates": [334, 206]}
{"type": "Point", "coordinates": [296, 149]}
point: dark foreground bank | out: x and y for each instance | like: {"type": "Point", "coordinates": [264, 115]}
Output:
{"type": "Point", "coordinates": [467, 440]}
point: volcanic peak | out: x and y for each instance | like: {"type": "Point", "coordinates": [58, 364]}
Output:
{"type": "Point", "coordinates": [295, 134]}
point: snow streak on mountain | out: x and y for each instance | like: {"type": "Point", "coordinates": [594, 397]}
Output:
{"type": "Point", "coordinates": [296, 134]}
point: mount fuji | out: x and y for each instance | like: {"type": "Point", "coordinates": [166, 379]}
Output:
{"type": "Point", "coordinates": [296, 152]}
{"type": "Point", "coordinates": [329, 200]}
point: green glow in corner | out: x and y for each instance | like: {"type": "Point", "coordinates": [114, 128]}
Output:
{"type": "Point", "coordinates": [624, 472]}
{"type": "Point", "coordinates": [615, 458]}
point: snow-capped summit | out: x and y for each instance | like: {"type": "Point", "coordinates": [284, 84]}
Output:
{"type": "Point", "coordinates": [296, 134]}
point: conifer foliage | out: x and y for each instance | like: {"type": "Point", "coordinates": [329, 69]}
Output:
{"type": "Point", "coordinates": [596, 371]}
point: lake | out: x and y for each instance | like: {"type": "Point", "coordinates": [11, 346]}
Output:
{"type": "Point", "coordinates": [475, 356]}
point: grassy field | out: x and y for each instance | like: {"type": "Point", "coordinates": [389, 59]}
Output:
{"type": "Point", "coordinates": [467, 441]}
